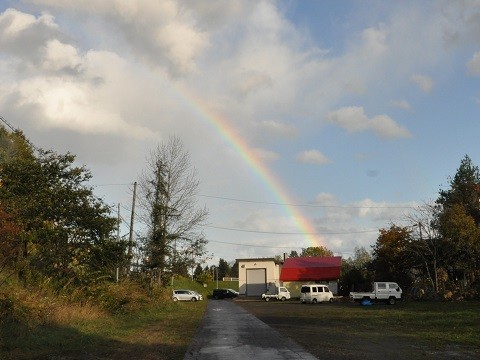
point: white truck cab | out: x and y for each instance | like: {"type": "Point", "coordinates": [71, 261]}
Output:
{"type": "Point", "coordinates": [281, 294]}
{"type": "Point", "coordinates": [388, 292]}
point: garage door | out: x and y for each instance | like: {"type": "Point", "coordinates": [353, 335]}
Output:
{"type": "Point", "coordinates": [256, 282]}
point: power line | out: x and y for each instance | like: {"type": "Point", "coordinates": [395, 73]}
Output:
{"type": "Point", "coordinates": [17, 131]}
{"type": "Point", "coordinates": [292, 233]}
{"type": "Point", "coordinates": [262, 246]}
{"type": "Point", "coordinates": [305, 205]}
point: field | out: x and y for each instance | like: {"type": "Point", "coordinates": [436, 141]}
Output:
{"type": "Point", "coordinates": [409, 330]}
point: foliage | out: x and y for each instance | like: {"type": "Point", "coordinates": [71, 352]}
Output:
{"type": "Point", "coordinates": [458, 220]}
{"type": "Point", "coordinates": [392, 259]}
{"type": "Point", "coordinates": [62, 231]}
{"type": "Point", "coordinates": [464, 190]}
{"type": "Point", "coordinates": [223, 268]}
{"type": "Point", "coordinates": [316, 251]}
{"type": "Point", "coordinates": [169, 187]}
{"type": "Point", "coordinates": [355, 274]}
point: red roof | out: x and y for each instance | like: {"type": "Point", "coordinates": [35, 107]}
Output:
{"type": "Point", "coordinates": [311, 268]}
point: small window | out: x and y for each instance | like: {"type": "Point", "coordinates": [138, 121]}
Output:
{"type": "Point", "coordinates": [320, 289]}
{"type": "Point", "coordinates": [382, 286]}
{"type": "Point", "coordinates": [305, 289]}
{"type": "Point", "coordinates": [314, 289]}
{"type": "Point", "coordinates": [392, 286]}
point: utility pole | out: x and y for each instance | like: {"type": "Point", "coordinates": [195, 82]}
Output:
{"type": "Point", "coordinates": [130, 237]}
{"type": "Point", "coordinates": [117, 272]}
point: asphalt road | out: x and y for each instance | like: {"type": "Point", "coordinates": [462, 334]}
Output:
{"type": "Point", "coordinates": [227, 331]}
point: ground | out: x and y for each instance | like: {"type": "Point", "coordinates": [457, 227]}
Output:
{"type": "Point", "coordinates": [326, 331]}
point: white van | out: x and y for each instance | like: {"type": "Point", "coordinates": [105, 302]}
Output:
{"type": "Point", "coordinates": [315, 293]}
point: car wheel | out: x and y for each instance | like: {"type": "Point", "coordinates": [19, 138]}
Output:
{"type": "Point", "coordinates": [314, 301]}
{"type": "Point", "coordinates": [391, 301]}
{"type": "Point", "coordinates": [331, 300]}
{"type": "Point", "coordinates": [194, 299]}
{"type": "Point", "coordinates": [175, 299]}
{"type": "Point", "coordinates": [283, 298]}
{"type": "Point", "coordinates": [267, 299]}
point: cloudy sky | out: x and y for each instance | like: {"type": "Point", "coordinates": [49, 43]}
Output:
{"type": "Point", "coordinates": [308, 122]}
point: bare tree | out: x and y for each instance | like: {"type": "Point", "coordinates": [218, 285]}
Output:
{"type": "Point", "coordinates": [168, 189]}
{"type": "Point", "coordinates": [427, 241]}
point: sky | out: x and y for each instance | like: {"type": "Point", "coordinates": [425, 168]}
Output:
{"type": "Point", "coordinates": [309, 123]}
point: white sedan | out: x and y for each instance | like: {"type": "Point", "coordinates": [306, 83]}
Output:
{"type": "Point", "coordinates": [186, 295]}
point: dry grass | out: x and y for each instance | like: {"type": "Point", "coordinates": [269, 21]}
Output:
{"type": "Point", "coordinates": [42, 326]}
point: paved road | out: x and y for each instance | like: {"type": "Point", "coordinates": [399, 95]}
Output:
{"type": "Point", "coordinates": [229, 332]}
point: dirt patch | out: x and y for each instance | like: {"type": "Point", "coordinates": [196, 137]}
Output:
{"type": "Point", "coordinates": [333, 331]}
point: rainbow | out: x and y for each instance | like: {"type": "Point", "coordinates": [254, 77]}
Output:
{"type": "Point", "coordinates": [228, 134]}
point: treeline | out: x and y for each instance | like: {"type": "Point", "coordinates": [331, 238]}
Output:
{"type": "Point", "coordinates": [51, 224]}
{"type": "Point", "coordinates": [54, 230]}
{"type": "Point", "coordinates": [437, 254]}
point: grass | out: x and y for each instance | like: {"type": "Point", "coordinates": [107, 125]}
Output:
{"type": "Point", "coordinates": [345, 327]}
{"type": "Point", "coordinates": [162, 331]}
{"type": "Point", "coordinates": [438, 322]}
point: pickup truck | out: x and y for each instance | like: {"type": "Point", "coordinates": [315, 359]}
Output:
{"type": "Point", "coordinates": [282, 294]}
{"type": "Point", "coordinates": [388, 292]}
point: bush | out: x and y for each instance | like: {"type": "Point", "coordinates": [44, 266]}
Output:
{"type": "Point", "coordinates": [124, 297]}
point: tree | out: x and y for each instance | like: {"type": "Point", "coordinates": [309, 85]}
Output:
{"type": "Point", "coordinates": [197, 272]}
{"type": "Point", "coordinates": [458, 220]}
{"type": "Point", "coordinates": [316, 251]}
{"type": "Point", "coordinates": [392, 260]}
{"type": "Point", "coordinates": [10, 244]}
{"type": "Point", "coordinates": [168, 195]}
{"type": "Point", "coordinates": [464, 190]}
{"type": "Point", "coordinates": [426, 245]}
{"type": "Point", "coordinates": [462, 241]}
{"type": "Point", "coordinates": [293, 253]}
{"type": "Point", "coordinates": [65, 231]}
{"type": "Point", "coordinates": [355, 274]}
{"type": "Point", "coordinates": [223, 269]}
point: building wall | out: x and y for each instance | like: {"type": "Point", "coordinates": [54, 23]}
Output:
{"type": "Point", "coordinates": [272, 275]}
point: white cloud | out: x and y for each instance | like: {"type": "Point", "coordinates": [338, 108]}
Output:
{"type": "Point", "coordinates": [424, 82]}
{"type": "Point", "coordinates": [58, 56]}
{"type": "Point", "coordinates": [401, 104]}
{"type": "Point", "coordinates": [353, 119]}
{"type": "Point", "coordinates": [26, 36]}
{"type": "Point", "coordinates": [162, 33]}
{"type": "Point", "coordinates": [326, 199]}
{"type": "Point", "coordinates": [277, 128]}
{"type": "Point", "coordinates": [252, 81]}
{"type": "Point", "coordinates": [374, 39]}
{"type": "Point", "coordinates": [313, 157]}
{"type": "Point", "coordinates": [74, 106]}
{"type": "Point", "coordinates": [474, 64]}
{"type": "Point", "coordinates": [265, 155]}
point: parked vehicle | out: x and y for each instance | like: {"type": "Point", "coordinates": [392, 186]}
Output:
{"type": "Point", "coordinates": [315, 293]}
{"type": "Point", "coordinates": [388, 292]}
{"type": "Point", "coordinates": [186, 295]}
{"type": "Point", "coordinates": [224, 294]}
{"type": "Point", "coordinates": [281, 294]}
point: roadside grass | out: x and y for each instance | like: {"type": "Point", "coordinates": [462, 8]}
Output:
{"type": "Point", "coordinates": [159, 330]}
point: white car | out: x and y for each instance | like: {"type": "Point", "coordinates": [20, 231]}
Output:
{"type": "Point", "coordinates": [186, 295]}
{"type": "Point", "coordinates": [315, 293]}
